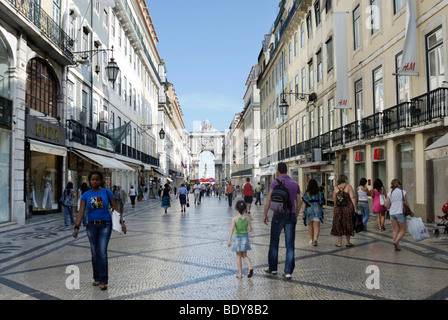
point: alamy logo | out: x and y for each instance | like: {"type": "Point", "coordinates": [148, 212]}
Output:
{"type": "Point", "coordinates": [72, 282]}
{"type": "Point", "coordinates": [373, 280]}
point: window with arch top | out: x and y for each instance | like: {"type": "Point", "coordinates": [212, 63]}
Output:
{"type": "Point", "coordinates": [41, 87]}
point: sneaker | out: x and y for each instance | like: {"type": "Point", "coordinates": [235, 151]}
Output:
{"type": "Point", "coordinates": [287, 276]}
{"type": "Point", "coordinates": [273, 273]}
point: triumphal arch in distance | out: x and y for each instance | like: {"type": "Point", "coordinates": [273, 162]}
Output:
{"type": "Point", "coordinates": [206, 138]}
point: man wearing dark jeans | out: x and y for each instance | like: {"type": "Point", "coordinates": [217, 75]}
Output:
{"type": "Point", "coordinates": [229, 191]}
{"type": "Point", "coordinates": [280, 221]}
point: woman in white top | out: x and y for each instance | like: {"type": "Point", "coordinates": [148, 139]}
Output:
{"type": "Point", "coordinates": [395, 199]}
{"type": "Point", "coordinates": [363, 201]}
{"type": "Point", "coordinates": [132, 195]}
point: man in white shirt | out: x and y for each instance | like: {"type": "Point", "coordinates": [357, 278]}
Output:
{"type": "Point", "coordinates": [197, 192]}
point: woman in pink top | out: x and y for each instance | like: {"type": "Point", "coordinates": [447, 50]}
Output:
{"type": "Point", "coordinates": [380, 210]}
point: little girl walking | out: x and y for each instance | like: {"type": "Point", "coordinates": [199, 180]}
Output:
{"type": "Point", "coordinates": [241, 225]}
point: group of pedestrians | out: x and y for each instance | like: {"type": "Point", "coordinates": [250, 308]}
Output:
{"type": "Point", "coordinates": [347, 203]}
{"type": "Point", "coordinates": [95, 202]}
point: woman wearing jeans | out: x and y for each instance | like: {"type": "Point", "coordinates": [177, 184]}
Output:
{"type": "Point", "coordinates": [363, 202]}
{"type": "Point", "coordinates": [99, 227]}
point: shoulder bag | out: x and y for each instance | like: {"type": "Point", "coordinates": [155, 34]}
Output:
{"type": "Point", "coordinates": [406, 209]}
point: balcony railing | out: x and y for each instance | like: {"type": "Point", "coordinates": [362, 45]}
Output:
{"type": "Point", "coordinates": [76, 132]}
{"type": "Point", "coordinates": [34, 13]}
{"type": "Point", "coordinates": [420, 110]}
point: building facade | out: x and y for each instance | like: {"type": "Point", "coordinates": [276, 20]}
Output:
{"type": "Point", "coordinates": [61, 115]}
{"type": "Point", "coordinates": [389, 119]}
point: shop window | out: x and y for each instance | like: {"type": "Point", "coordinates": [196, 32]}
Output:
{"type": "Point", "coordinates": [41, 88]}
{"type": "Point", "coordinates": [406, 170]}
{"type": "Point", "coordinates": [4, 69]}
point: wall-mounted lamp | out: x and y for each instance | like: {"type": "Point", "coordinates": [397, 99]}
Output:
{"type": "Point", "coordinates": [301, 96]}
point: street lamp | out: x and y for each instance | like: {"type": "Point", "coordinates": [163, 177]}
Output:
{"type": "Point", "coordinates": [309, 97]}
{"type": "Point", "coordinates": [161, 132]}
{"type": "Point", "coordinates": [112, 68]}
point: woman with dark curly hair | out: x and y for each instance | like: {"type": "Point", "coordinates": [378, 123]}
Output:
{"type": "Point", "coordinates": [344, 207]}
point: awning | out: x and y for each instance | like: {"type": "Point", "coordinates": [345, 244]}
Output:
{"type": "Point", "coordinates": [159, 171]}
{"type": "Point", "coordinates": [43, 147]}
{"type": "Point", "coordinates": [438, 149]}
{"type": "Point", "coordinates": [104, 161]}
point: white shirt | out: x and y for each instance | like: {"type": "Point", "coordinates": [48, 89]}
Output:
{"type": "Point", "coordinates": [197, 188]}
{"type": "Point", "coordinates": [396, 199]}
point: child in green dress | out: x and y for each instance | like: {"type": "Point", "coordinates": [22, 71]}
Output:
{"type": "Point", "coordinates": [241, 225]}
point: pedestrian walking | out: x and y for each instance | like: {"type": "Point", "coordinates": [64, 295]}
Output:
{"type": "Point", "coordinates": [182, 195]}
{"type": "Point", "coordinates": [121, 197]}
{"type": "Point", "coordinates": [67, 203]}
{"type": "Point", "coordinates": [378, 207]}
{"type": "Point", "coordinates": [344, 208]}
{"type": "Point", "coordinates": [363, 201]}
{"type": "Point", "coordinates": [197, 189]}
{"type": "Point", "coordinates": [84, 187]}
{"type": "Point", "coordinates": [311, 210]}
{"type": "Point", "coordinates": [394, 201]}
{"type": "Point", "coordinates": [96, 202]}
{"type": "Point", "coordinates": [166, 197]}
{"type": "Point", "coordinates": [248, 193]}
{"type": "Point", "coordinates": [286, 222]}
{"type": "Point", "coordinates": [230, 189]}
{"type": "Point", "coordinates": [258, 194]}
{"type": "Point", "coordinates": [132, 195]}
{"type": "Point", "coordinates": [241, 226]}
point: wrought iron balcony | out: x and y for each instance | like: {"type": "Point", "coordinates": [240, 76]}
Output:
{"type": "Point", "coordinates": [33, 13]}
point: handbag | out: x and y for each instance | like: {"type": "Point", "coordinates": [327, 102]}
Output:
{"type": "Point", "coordinates": [382, 199]}
{"type": "Point", "coordinates": [406, 209]}
{"type": "Point", "coordinates": [115, 217]}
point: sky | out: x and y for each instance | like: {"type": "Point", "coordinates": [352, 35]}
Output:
{"type": "Point", "coordinates": [209, 48]}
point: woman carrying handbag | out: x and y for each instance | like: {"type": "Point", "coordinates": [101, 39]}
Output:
{"type": "Point", "coordinates": [396, 201]}
{"type": "Point", "coordinates": [379, 200]}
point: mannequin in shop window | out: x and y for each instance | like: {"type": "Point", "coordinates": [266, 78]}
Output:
{"type": "Point", "coordinates": [33, 202]}
{"type": "Point", "coordinates": [47, 183]}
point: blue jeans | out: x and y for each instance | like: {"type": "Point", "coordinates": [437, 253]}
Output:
{"type": "Point", "coordinates": [99, 235]}
{"type": "Point", "coordinates": [68, 211]}
{"type": "Point", "coordinates": [363, 209]}
{"type": "Point", "coordinates": [288, 223]}
{"type": "Point", "coordinates": [229, 197]}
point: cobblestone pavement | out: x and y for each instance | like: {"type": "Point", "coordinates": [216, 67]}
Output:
{"type": "Point", "coordinates": [178, 256]}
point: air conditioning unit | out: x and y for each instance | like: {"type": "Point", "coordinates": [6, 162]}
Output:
{"type": "Point", "coordinates": [83, 118]}
{"type": "Point", "coordinates": [103, 116]}
{"type": "Point", "coordinates": [317, 155]}
{"type": "Point", "coordinates": [103, 127]}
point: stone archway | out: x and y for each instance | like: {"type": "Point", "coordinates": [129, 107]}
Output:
{"type": "Point", "coordinates": [207, 138]}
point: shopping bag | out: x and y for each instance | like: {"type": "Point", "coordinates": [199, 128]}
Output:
{"type": "Point", "coordinates": [417, 229]}
{"type": "Point", "coordinates": [116, 225]}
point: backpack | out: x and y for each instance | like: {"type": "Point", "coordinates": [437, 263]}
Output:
{"type": "Point", "coordinates": [340, 198]}
{"type": "Point", "coordinates": [280, 201]}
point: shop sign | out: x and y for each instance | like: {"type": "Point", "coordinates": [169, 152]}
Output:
{"type": "Point", "coordinates": [42, 130]}
{"type": "Point", "coordinates": [359, 156]}
{"type": "Point", "coordinates": [378, 154]}
{"type": "Point", "coordinates": [104, 143]}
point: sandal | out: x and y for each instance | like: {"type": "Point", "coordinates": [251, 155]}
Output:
{"type": "Point", "coordinates": [251, 273]}
{"type": "Point", "coordinates": [337, 245]}
{"type": "Point", "coordinates": [349, 245]}
{"type": "Point", "coordinates": [103, 286]}
{"type": "Point", "coordinates": [95, 283]}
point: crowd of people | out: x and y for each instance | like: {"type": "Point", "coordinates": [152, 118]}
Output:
{"type": "Point", "coordinates": [284, 198]}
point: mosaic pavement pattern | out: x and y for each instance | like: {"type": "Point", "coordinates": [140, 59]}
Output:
{"type": "Point", "coordinates": [179, 256]}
